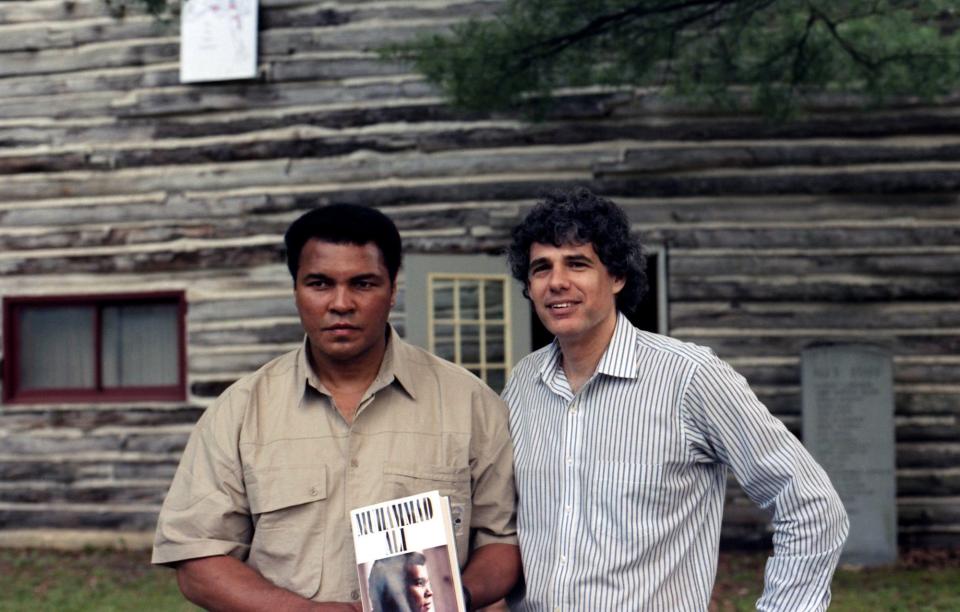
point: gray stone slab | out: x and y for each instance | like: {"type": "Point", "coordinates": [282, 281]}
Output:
{"type": "Point", "coordinates": [848, 427]}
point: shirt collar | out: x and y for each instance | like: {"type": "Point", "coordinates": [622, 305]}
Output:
{"type": "Point", "coordinates": [619, 359]}
{"type": "Point", "coordinates": [393, 368]}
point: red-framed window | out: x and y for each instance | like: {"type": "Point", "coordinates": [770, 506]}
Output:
{"type": "Point", "coordinates": [117, 347]}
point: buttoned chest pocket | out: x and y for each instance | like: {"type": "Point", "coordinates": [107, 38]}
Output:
{"type": "Point", "coordinates": [289, 509]}
{"type": "Point", "coordinates": [626, 497]}
{"type": "Point", "coordinates": [402, 480]}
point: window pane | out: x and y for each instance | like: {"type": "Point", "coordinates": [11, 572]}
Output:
{"type": "Point", "coordinates": [469, 300]}
{"type": "Point", "coordinates": [443, 342]}
{"type": "Point", "coordinates": [140, 346]}
{"type": "Point", "coordinates": [493, 299]}
{"type": "Point", "coordinates": [57, 351]}
{"type": "Point", "coordinates": [470, 343]}
{"type": "Point", "coordinates": [496, 348]}
{"type": "Point", "coordinates": [442, 300]}
{"type": "Point", "coordinates": [496, 378]}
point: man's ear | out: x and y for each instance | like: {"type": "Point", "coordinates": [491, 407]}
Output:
{"type": "Point", "coordinates": [619, 283]}
{"type": "Point", "coordinates": [393, 293]}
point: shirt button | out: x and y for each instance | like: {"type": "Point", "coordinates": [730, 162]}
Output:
{"type": "Point", "coordinates": [568, 508]}
{"type": "Point", "coordinates": [314, 492]}
{"type": "Point", "coordinates": [569, 460]}
{"type": "Point", "coordinates": [354, 463]}
{"type": "Point", "coordinates": [354, 594]}
{"type": "Point", "coordinates": [563, 558]}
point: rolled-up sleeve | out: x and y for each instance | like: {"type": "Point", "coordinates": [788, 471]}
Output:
{"type": "Point", "coordinates": [728, 424]}
{"type": "Point", "coordinates": [206, 511]}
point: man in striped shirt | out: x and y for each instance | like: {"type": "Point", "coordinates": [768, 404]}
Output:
{"type": "Point", "coordinates": [623, 441]}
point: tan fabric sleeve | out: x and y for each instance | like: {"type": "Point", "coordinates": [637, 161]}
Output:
{"type": "Point", "coordinates": [206, 511]}
{"type": "Point", "coordinates": [494, 494]}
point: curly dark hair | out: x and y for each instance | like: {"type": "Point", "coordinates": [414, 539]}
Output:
{"type": "Point", "coordinates": [577, 216]}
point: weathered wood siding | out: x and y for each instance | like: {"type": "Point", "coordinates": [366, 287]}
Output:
{"type": "Point", "coordinates": [842, 226]}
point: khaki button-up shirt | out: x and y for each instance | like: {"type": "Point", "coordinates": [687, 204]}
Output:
{"type": "Point", "coordinates": [272, 470]}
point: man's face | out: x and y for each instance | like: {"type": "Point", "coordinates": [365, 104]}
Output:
{"type": "Point", "coordinates": [344, 295]}
{"type": "Point", "coordinates": [571, 290]}
{"type": "Point", "coordinates": [419, 595]}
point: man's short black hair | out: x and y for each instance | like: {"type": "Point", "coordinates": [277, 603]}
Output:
{"type": "Point", "coordinates": [344, 224]}
{"type": "Point", "coordinates": [577, 216]}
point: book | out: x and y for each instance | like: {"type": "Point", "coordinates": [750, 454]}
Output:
{"type": "Point", "coordinates": [407, 555]}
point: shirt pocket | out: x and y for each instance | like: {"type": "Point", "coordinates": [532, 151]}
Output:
{"type": "Point", "coordinates": [626, 496]}
{"type": "Point", "coordinates": [289, 512]}
{"type": "Point", "coordinates": [404, 479]}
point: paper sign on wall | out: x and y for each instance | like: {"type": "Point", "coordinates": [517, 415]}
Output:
{"type": "Point", "coordinates": [218, 40]}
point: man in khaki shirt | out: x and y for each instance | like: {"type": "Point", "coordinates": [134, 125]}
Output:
{"type": "Point", "coordinates": [257, 517]}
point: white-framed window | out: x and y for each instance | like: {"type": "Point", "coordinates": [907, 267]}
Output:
{"type": "Point", "coordinates": [469, 310]}
{"type": "Point", "coordinates": [468, 323]}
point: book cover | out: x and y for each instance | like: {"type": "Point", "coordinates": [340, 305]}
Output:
{"type": "Point", "coordinates": [406, 555]}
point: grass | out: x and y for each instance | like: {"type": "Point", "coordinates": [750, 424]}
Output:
{"type": "Point", "coordinates": [89, 580]}
{"type": "Point", "coordinates": [922, 581]}
{"type": "Point", "coordinates": [97, 580]}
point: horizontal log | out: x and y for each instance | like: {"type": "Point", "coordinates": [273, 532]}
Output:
{"type": "Point", "coordinates": [778, 315]}
{"type": "Point", "coordinates": [247, 360]}
{"type": "Point", "coordinates": [295, 146]}
{"type": "Point", "coordinates": [347, 169]}
{"type": "Point", "coordinates": [143, 51]}
{"type": "Point", "coordinates": [65, 516]}
{"type": "Point", "coordinates": [864, 181]}
{"type": "Point", "coordinates": [932, 263]}
{"type": "Point", "coordinates": [126, 492]}
{"type": "Point", "coordinates": [90, 420]}
{"type": "Point", "coordinates": [80, 470]}
{"type": "Point", "coordinates": [914, 402]}
{"type": "Point", "coordinates": [274, 333]}
{"type": "Point", "coordinates": [259, 187]}
{"type": "Point", "coordinates": [923, 509]}
{"type": "Point", "coordinates": [83, 237]}
{"type": "Point", "coordinates": [51, 10]}
{"type": "Point", "coordinates": [823, 287]}
{"type": "Point", "coordinates": [669, 159]}
{"type": "Point", "coordinates": [903, 373]}
{"type": "Point", "coordinates": [929, 483]}
{"type": "Point", "coordinates": [239, 308]}
{"type": "Point", "coordinates": [928, 454]}
{"type": "Point", "coordinates": [730, 342]}
{"type": "Point", "coordinates": [147, 261]}
{"type": "Point", "coordinates": [836, 234]}
{"type": "Point", "coordinates": [67, 34]}
{"type": "Point", "coordinates": [49, 443]}
{"type": "Point", "coordinates": [273, 13]}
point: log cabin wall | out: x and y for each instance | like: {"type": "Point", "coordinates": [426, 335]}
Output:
{"type": "Point", "coordinates": [843, 225]}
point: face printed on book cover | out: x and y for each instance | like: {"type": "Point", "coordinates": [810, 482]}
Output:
{"type": "Point", "coordinates": [419, 594]}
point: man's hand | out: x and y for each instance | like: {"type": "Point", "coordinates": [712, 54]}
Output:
{"type": "Point", "coordinates": [225, 583]}
{"type": "Point", "coordinates": [491, 573]}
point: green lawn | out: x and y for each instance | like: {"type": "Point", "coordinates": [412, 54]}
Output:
{"type": "Point", "coordinates": [922, 581]}
{"type": "Point", "coordinates": [108, 581]}
{"type": "Point", "coordinates": [89, 580]}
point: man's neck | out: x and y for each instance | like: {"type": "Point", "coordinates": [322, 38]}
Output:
{"type": "Point", "coordinates": [348, 381]}
{"type": "Point", "coordinates": [581, 356]}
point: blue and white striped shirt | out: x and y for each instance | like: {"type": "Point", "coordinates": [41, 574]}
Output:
{"type": "Point", "coordinates": [621, 486]}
